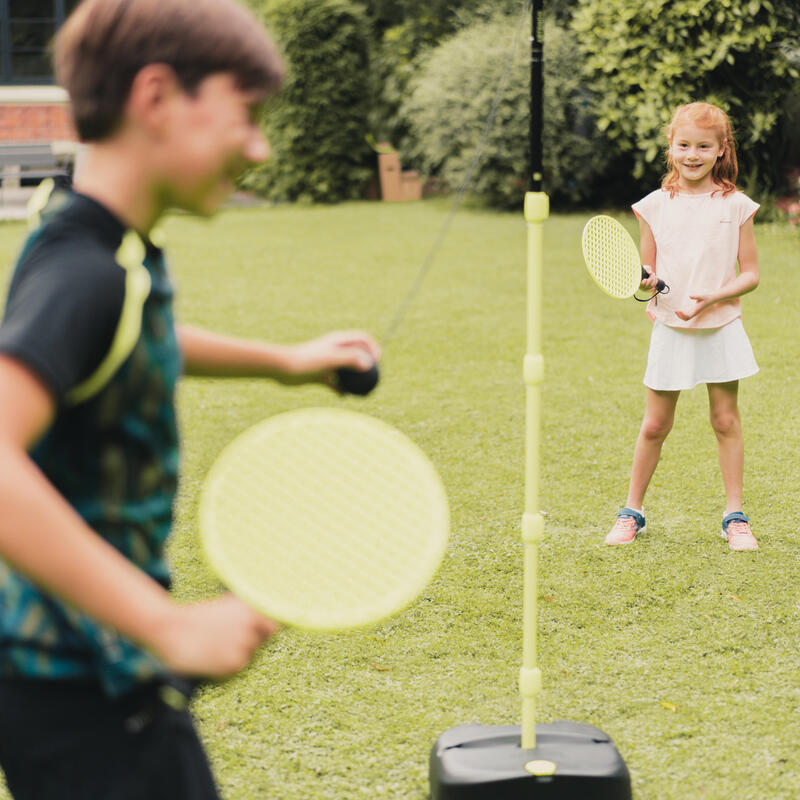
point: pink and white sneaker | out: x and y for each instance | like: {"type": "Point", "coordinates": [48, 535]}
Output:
{"type": "Point", "coordinates": [629, 523]}
{"type": "Point", "coordinates": [736, 529]}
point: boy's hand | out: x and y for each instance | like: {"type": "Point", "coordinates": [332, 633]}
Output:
{"type": "Point", "coordinates": [320, 358]}
{"type": "Point", "coordinates": [213, 639]}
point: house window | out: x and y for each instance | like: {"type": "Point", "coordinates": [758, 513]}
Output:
{"type": "Point", "coordinates": [27, 28]}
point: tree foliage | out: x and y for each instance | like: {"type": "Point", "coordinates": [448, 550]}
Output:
{"type": "Point", "coordinates": [642, 60]}
{"type": "Point", "coordinates": [317, 124]}
{"type": "Point", "coordinates": [422, 73]}
{"type": "Point", "coordinates": [424, 23]}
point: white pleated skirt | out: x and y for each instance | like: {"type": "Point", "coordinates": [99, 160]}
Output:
{"type": "Point", "coordinates": [680, 358]}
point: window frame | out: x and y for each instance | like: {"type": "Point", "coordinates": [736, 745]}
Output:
{"type": "Point", "coordinates": [7, 78]}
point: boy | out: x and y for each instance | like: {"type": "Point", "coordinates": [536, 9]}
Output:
{"type": "Point", "coordinates": [165, 92]}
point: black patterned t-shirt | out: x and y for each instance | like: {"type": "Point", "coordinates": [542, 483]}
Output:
{"type": "Point", "coordinates": [97, 327]}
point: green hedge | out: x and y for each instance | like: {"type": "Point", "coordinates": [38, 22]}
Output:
{"type": "Point", "coordinates": [403, 31]}
{"type": "Point", "coordinates": [317, 124]}
{"type": "Point", "coordinates": [641, 60]}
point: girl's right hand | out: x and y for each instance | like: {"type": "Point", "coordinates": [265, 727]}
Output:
{"type": "Point", "coordinates": [651, 281]}
{"type": "Point", "coordinates": [318, 359]}
{"type": "Point", "coordinates": [212, 639]}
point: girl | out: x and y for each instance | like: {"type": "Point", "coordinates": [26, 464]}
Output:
{"type": "Point", "coordinates": [694, 229]}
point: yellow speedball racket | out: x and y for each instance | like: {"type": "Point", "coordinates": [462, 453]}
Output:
{"type": "Point", "coordinates": [612, 258]}
{"type": "Point", "coordinates": [324, 519]}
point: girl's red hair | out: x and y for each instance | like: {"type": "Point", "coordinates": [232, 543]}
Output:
{"type": "Point", "coordinates": [704, 115]}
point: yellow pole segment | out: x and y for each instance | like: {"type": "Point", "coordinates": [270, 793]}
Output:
{"type": "Point", "coordinates": [537, 208]}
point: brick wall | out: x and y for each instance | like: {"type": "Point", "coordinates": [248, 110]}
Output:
{"type": "Point", "coordinates": [35, 122]}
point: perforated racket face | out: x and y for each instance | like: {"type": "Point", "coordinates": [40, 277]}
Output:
{"type": "Point", "coordinates": [324, 519]}
{"type": "Point", "coordinates": [611, 256]}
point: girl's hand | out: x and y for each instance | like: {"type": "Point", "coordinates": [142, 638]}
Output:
{"type": "Point", "coordinates": [702, 301]}
{"type": "Point", "coordinates": [651, 281]}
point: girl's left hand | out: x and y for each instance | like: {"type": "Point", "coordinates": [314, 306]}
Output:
{"type": "Point", "coordinates": [702, 301]}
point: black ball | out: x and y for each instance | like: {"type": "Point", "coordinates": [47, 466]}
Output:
{"type": "Point", "coordinates": [357, 381]}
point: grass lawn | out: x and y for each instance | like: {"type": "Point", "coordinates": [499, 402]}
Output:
{"type": "Point", "coordinates": [684, 652]}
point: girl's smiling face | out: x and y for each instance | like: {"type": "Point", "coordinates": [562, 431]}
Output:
{"type": "Point", "coordinates": [694, 152]}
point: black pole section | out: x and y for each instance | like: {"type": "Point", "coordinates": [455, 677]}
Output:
{"type": "Point", "coordinates": [537, 100]}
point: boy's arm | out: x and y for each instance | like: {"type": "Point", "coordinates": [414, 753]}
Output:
{"type": "Point", "coordinates": [212, 354]}
{"type": "Point", "coordinates": [45, 539]}
{"type": "Point", "coordinates": [744, 282]}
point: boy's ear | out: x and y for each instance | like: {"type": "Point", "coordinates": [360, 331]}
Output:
{"type": "Point", "coordinates": [154, 88]}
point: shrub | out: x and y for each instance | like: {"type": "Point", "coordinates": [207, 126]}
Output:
{"type": "Point", "coordinates": [642, 60]}
{"type": "Point", "coordinates": [403, 32]}
{"type": "Point", "coordinates": [450, 99]}
{"type": "Point", "coordinates": [317, 124]}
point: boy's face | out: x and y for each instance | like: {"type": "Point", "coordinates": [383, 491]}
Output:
{"type": "Point", "coordinates": [214, 134]}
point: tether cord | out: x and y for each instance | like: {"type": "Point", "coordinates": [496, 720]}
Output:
{"type": "Point", "coordinates": [466, 182]}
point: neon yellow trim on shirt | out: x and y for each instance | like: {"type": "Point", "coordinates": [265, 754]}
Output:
{"type": "Point", "coordinates": [130, 256]}
{"type": "Point", "coordinates": [38, 201]}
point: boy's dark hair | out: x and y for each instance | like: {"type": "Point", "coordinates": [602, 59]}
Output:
{"type": "Point", "coordinates": [104, 44]}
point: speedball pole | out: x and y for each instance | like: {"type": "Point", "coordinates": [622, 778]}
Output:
{"type": "Point", "coordinates": [537, 97]}
{"type": "Point", "coordinates": [559, 760]}
{"type": "Point", "coordinates": [537, 206]}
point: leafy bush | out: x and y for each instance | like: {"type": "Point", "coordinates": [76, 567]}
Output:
{"type": "Point", "coordinates": [403, 32]}
{"type": "Point", "coordinates": [317, 124]}
{"type": "Point", "coordinates": [451, 97]}
{"type": "Point", "coordinates": [642, 60]}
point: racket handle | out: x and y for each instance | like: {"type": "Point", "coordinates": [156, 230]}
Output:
{"type": "Point", "coordinates": [357, 381]}
{"type": "Point", "coordinates": [660, 286]}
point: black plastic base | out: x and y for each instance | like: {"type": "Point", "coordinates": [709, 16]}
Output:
{"type": "Point", "coordinates": [478, 762]}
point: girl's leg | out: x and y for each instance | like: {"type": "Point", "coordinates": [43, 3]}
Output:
{"type": "Point", "coordinates": [724, 412]}
{"type": "Point", "coordinates": [659, 415]}
{"type": "Point", "coordinates": [657, 423]}
{"type": "Point", "coordinates": [722, 401]}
